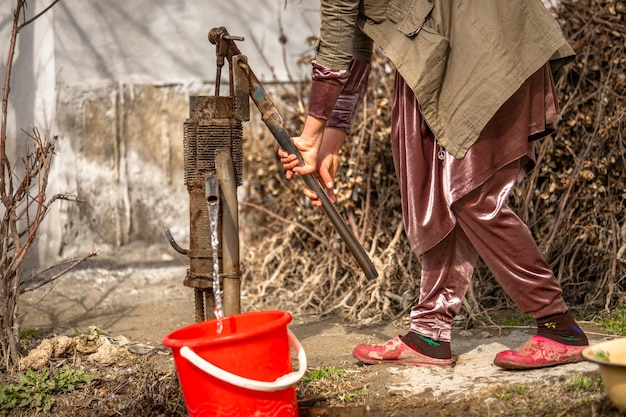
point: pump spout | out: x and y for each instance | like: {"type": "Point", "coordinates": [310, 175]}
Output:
{"type": "Point", "coordinates": [212, 190]}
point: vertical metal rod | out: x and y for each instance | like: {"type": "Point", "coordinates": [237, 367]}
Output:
{"type": "Point", "coordinates": [198, 294]}
{"type": "Point", "coordinates": [209, 303]}
{"type": "Point", "coordinates": [218, 75]}
{"type": "Point", "coordinates": [230, 232]}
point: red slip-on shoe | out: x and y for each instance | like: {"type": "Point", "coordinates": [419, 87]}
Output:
{"type": "Point", "coordinates": [395, 351]}
{"type": "Point", "coordinates": [538, 352]}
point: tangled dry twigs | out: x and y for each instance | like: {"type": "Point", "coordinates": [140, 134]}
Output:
{"type": "Point", "coordinates": [573, 201]}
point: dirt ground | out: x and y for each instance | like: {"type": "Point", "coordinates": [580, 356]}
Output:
{"type": "Point", "coordinates": [144, 301]}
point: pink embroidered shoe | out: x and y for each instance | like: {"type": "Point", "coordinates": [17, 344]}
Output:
{"type": "Point", "coordinates": [538, 352]}
{"type": "Point", "coordinates": [396, 351]}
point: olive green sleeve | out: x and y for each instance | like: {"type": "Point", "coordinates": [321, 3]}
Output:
{"type": "Point", "coordinates": [362, 49]}
{"type": "Point", "coordinates": [340, 39]}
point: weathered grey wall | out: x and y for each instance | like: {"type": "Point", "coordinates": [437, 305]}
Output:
{"type": "Point", "coordinates": [112, 79]}
{"type": "Point", "coordinates": [124, 159]}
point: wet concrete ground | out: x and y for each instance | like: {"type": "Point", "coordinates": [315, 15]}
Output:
{"type": "Point", "coordinates": [329, 342]}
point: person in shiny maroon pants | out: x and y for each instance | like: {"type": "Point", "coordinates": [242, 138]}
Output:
{"type": "Point", "coordinates": [466, 114]}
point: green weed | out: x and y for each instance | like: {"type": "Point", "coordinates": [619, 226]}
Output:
{"type": "Point", "coordinates": [579, 383]}
{"type": "Point", "coordinates": [36, 391]}
{"type": "Point", "coordinates": [317, 374]}
{"type": "Point", "coordinates": [331, 385]}
{"type": "Point", "coordinates": [510, 391]}
{"type": "Point", "coordinates": [29, 334]}
{"type": "Point", "coordinates": [26, 335]}
{"type": "Point", "coordinates": [352, 396]}
{"type": "Point", "coordinates": [519, 320]}
{"type": "Point", "coordinates": [584, 383]}
{"type": "Point", "coordinates": [616, 322]}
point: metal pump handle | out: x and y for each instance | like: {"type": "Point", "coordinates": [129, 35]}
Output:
{"type": "Point", "coordinates": [269, 113]}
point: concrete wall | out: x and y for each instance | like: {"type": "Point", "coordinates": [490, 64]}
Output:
{"type": "Point", "coordinates": [112, 79]}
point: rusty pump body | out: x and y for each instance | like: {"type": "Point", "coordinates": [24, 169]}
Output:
{"type": "Point", "coordinates": [213, 149]}
{"type": "Point", "coordinates": [213, 165]}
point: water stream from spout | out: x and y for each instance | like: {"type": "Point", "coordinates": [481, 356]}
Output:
{"type": "Point", "coordinates": [214, 209]}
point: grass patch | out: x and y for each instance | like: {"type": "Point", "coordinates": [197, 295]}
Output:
{"type": "Point", "coordinates": [512, 391]}
{"type": "Point", "coordinates": [28, 334]}
{"type": "Point", "coordinates": [351, 397]}
{"type": "Point", "coordinates": [615, 322]}
{"type": "Point", "coordinates": [330, 386]}
{"type": "Point", "coordinates": [579, 395]}
{"type": "Point", "coordinates": [518, 320]}
{"type": "Point", "coordinates": [583, 383]}
{"type": "Point", "coordinates": [321, 374]}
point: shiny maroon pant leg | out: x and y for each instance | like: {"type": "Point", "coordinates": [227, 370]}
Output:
{"type": "Point", "coordinates": [506, 245]}
{"type": "Point", "coordinates": [447, 269]}
{"type": "Point", "coordinates": [488, 228]}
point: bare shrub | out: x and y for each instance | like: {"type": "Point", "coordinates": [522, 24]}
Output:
{"type": "Point", "coordinates": [23, 186]}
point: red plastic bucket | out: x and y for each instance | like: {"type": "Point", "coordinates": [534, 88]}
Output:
{"type": "Point", "coordinates": [245, 370]}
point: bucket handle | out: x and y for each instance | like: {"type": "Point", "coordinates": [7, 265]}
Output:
{"type": "Point", "coordinates": [279, 384]}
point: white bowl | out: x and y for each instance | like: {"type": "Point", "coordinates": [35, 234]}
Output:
{"type": "Point", "coordinates": [611, 356]}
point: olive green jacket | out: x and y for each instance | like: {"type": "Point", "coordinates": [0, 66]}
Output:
{"type": "Point", "coordinates": [462, 58]}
